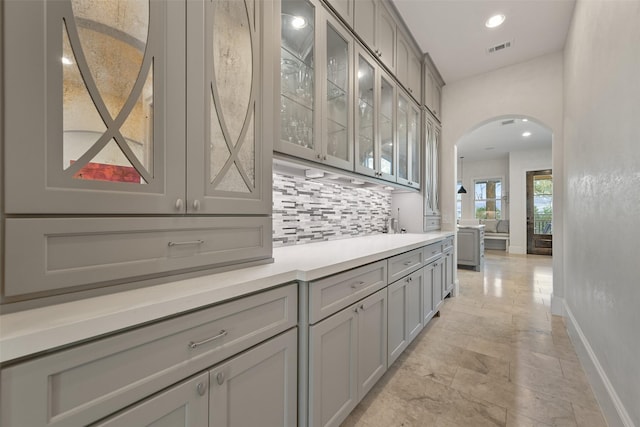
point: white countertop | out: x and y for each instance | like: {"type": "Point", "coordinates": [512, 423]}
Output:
{"type": "Point", "coordinates": [33, 331]}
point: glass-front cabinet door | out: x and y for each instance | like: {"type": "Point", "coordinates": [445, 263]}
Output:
{"type": "Point", "coordinates": [337, 117]}
{"type": "Point", "coordinates": [299, 90]}
{"type": "Point", "coordinates": [229, 110]}
{"type": "Point", "coordinates": [386, 115]}
{"type": "Point", "coordinates": [366, 110]}
{"type": "Point", "coordinates": [97, 117]}
{"type": "Point", "coordinates": [432, 142]}
{"type": "Point", "coordinates": [316, 118]}
{"type": "Point", "coordinates": [407, 131]}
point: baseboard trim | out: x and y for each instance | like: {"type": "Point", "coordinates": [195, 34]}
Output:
{"type": "Point", "coordinates": [612, 408]}
{"type": "Point", "coordinates": [517, 250]}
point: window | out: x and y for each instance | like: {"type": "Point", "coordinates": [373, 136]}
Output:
{"type": "Point", "coordinates": [458, 202]}
{"type": "Point", "coordinates": [488, 198]}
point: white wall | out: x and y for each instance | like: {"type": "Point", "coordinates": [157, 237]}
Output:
{"type": "Point", "coordinates": [480, 169]}
{"type": "Point", "coordinates": [520, 162]}
{"type": "Point", "coordinates": [602, 199]}
{"type": "Point", "coordinates": [531, 89]}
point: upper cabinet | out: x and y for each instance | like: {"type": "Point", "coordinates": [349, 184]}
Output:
{"type": "Point", "coordinates": [432, 162]}
{"type": "Point", "coordinates": [316, 98]}
{"type": "Point", "coordinates": [375, 148]}
{"type": "Point", "coordinates": [408, 66]}
{"type": "Point", "coordinates": [433, 83]}
{"type": "Point", "coordinates": [344, 8]}
{"type": "Point", "coordinates": [99, 95]}
{"type": "Point", "coordinates": [408, 134]}
{"type": "Point", "coordinates": [376, 26]}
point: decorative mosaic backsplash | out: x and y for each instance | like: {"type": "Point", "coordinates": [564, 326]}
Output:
{"type": "Point", "coordinates": [306, 211]}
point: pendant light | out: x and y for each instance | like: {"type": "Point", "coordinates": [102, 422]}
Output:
{"type": "Point", "coordinates": [462, 190]}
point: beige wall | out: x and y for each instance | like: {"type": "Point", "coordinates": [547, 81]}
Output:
{"type": "Point", "coordinates": [602, 202]}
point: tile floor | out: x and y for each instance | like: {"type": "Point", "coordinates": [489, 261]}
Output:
{"type": "Point", "coordinates": [495, 357]}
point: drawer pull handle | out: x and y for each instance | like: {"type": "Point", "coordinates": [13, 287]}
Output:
{"type": "Point", "coordinates": [193, 344]}
{"type": "Point", "coordinates": [190, 242]}
{"type": "Point", "coordinates": [357, 285]}
{"type": "Point", "coordinates": [407, 263]}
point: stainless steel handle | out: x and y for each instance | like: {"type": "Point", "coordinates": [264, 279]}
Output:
{"type": "Point", "coordinates": [190, 242]}
{"type": "Point", "coordinates": [194, 344]}
{"type": "Point", "coordinates": [407, 263]}
{"type": "Point", "coordinates": [201, 389]}
{"type": "Point", "coordinates": [357, 285]}
{"type": "Point", "coordinates": [220, 378]}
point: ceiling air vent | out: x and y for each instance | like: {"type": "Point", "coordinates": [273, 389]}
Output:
{"type": "Point", "coordinates": [499, 47]}
{"type": "Point", "coordinates": [508, 122]}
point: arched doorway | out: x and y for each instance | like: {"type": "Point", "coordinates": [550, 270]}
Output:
{"type": "Point", "coordinates": [496, 156]}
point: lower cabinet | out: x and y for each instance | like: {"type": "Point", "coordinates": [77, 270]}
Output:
{"type": "Point", "coordinates": [347, 356]}
{"type": "Point", "coordinates": [263, 379]}
{"type": "Point", "coordinates": [434, 275]}
{"type": "Point", "coordinates": [448, 273]}
{"type": "Point", "coordinates": [405, 313]}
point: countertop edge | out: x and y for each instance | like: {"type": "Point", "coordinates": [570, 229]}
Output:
{"type": "Point", "coordinates": [39, 330]}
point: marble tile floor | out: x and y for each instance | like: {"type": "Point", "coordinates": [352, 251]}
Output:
{"type": "Point", "coordinates": [495, 357]}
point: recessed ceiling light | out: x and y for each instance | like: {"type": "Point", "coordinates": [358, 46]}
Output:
{"type": "Point", "coordinates": [313, 173]}
{"type": "Point", "coordinates": [389, 188]}
{"type": "Point", "coordinates": [357, 182]}
{"type": "Point", "coordinates": [66, 61]}
{"type": "Point", "coordinates": [298, 22]}
{"type": "Point", "coordinates": [495, 21]}
{"type": "Point", "coordinates": [525, 120]}
{"type": "Point", "coordinates": [490, 148]}
{"type": "Point", "coordinates": [526, 134]}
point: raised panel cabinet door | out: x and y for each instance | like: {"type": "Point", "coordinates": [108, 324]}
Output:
{"type": "Point", "coordinates": [386, 37]}
{"type": "Point", "coordinates": [372, 341]}
{"type": "Point", "coordinates": [427, 294]}
{"type": "Point", "coordinates": [397, 320]}
{"type": "Point", "coordinates": [448, 282]}
{"type": "Point", "coordinates": [95, 101]}
{"type": "Point", "coordinates": [230, 110]}
{"type": "Point", "coordinates": [257, 388]}
{"type": "Point", "coordinates": [183, 405]}
{"type": "Point", "coordinates": [402, 60]}
{"type": "Point", "coordinates": [333, 369]}
{"type": "Point", "coordinates": [437, 284]}
{"type": "Point", "coordinates": [300, 85]}
{"type": "Point", "coordinates": [365, 20]}
{"type": "Point", "coordinates": [415, 76]}
{"type": "Point", "coordinates": [337, 94]}
{"type": "Point", "coordinates": [344, 8]}
{"type": "Point", "coordinates": [414, 305]}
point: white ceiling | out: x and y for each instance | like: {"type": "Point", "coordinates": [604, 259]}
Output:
{"type": "Point", "coordinates": [454, 34]}
{"type": "Point", "coordinates": [498, 138]}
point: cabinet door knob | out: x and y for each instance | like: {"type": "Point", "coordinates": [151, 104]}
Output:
{"type": "Point", "coordinates": [179, 204]}
{"type": "Point", "coordinates": [319, 156]}
{"type": "Point", "coordinates": [220, 378]}
{"type": "Point", "coordinates": [201, 389]}
{"type": "Point", "coordinates": [196, 205]}
{"type": "Point", "coordinates": [325, 157]}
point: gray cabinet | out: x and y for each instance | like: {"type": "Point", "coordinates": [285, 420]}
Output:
{"type": "Point", "coordinates": [316, 79]}
{"type": "Point", "coordinates": [105, 101]}
{"type": "Point", "coordinates": [257, 388]}
{"type": "Point", "coordinates": [375, 149]}
{"type": "Point", "coordinates": [123, 124]}
{"type": "Point", "coordinates": [183, 405]}
{"type": "Point", "coordinates": [471, 247]}
{"type": "Point", "coordinates": [405, 313]}
{"type": "Point", "coordinates": [408, 138]}
{"type": "Point", "coordinates": [408, 66]}
{"type": "Point", "coordinates": [347, 355]}
{"type": "Point", "coordinates": [83, 384]}
{"type": "Point", "coordinates": [435, 271]}
{"type": "Point", "coordinates": [344, 8]}
{"type": "Point", "coordinates": [433, 83]}
{"type": "Point", "coordinates": [449, 267]}
{"type": "Point", "coordinates": [431, 171]}
{"type": "Point", "coordinates": [376, 26]}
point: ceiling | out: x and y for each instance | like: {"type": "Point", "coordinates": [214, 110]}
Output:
{"type": "Point", "coordinates": [497, 138]}
{"type": "Point", "coordinates": [454, 34]}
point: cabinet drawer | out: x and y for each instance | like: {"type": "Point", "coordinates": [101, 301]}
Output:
{"type": "Point", "coordinates": [432, 252]}
{"type": "Point", "coordinates": [447, 244]}
{"type": "Point", "coordinates": [431, 223]}
{"type": "Point", "coordinates": [403, 264]}
{"type": "Point", "coordinates": [88, 382]}
{"type": "Point", "coordinates": [49, 256]}
{"type": "Point", "coordinates": [333, 293]}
